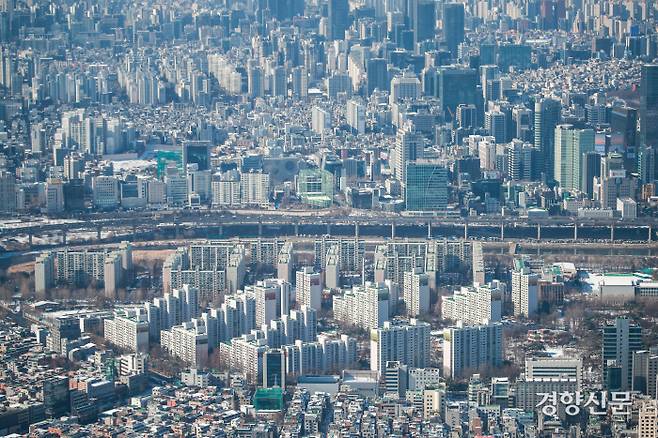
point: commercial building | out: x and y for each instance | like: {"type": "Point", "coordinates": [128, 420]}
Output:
{"type": "Point", "coordinates": [620, 340]}
{"type": "Point", "coordinates": [570, 146]}
{"type": "Point", "coordinates": [426, 187]}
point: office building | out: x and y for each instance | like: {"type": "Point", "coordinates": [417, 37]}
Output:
{"type": "Point", "coordinates": [320, 120]}
{"type": "Point", "coordinates": [647, 426]}
{"type": "Point", "coordinates": [408, 148]}
{"type": "Point", "coordinates": [424, 20]}
{"type": "Point", "coordinates": [570, 146]}
{"type": "Point", "coordinates": [279, 85]}
{"type": "Point", "coordinates": [56, 396]}
{"type": "Point", "coordinates": [620, 340]}
{"type": "Point", "coordinates": [196, 152]}
{"type": "Point", "coordinates": [377, 75]}
{"type": "Point", "coordinates": [356, 116]}
{"type": "Point", "coordinates": [407, 343]}
{"type": "Point", "coordinates": [416, 292]}
{"type": "Point", "coordinates": [453, 26]}
{"type": "Point", "coordinates": [553, 368]}
{"type": "Point", "coordinates": [495, 123]}
{"type": "Point", "coordinates": [274, 368]}
{"type": "Point", "coordinates": [645, 371]}
{"type": "Point", "coordinates": [395, 378]}
{"type": "Point", "coordinates": [106, 192]}
{"type": "Point", "coordinates": [469, 349]}
{"type": "Point", "coordinates": [425, 186]}
{"type": "Point", "coordinates": [44, 272]}
{"type": "Point", "coordinates": [547, 117]}
{"type": "Point", "coordinates": [590, 163]}
{"type": "Point", "coordinates": [649, 106]}
{"type": "Point", "coordinates": [7, 192]}
{"type": "Point", "coordinates": [614, 181]}
{"type": "Point", "coordinates": [405, 86]}
{"type": "Point", "coordinates": [458, 85]}
{"type": "Point", "coordinates": [338, 19]}
{"type": "Point", "coordinates": [300, 82]}
{"type": "Point", "coordinates": [519, 160]}
{"type": "Point", "coordinates": [338, 83]}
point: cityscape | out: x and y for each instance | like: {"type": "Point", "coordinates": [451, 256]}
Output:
{"type": "Point", "coordinates": [329, 218]}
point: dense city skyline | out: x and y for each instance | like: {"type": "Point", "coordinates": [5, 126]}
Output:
{"type": "Point", "coordinates": [340, 218]}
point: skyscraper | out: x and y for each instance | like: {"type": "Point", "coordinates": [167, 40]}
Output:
{"type": "Point", "coordinates": [274, 370]}
{"type": "Point", "coordinates": [623, 120]}
{"type": "Point", "coordinates": [547, 117]}
{"type": "Point", "coordinates": [423, 19]}
{"type": "Point", "coordinates": [519, 160]}
{"type": "Point", "coordinates": [620, 340]}
{"type": "Point", "coordinates": [458, 85]}
{"type": "Point", "coordinates": [645, 371]}
{"type": "Point", "coordinates": [590, 163]}
{"type": "Point", "coordinates": [453, 26]}
{"type": "Point", "coordinates": [425, 186]}
{"type": "Point", "coordinates": [338, 19]}
{"type": "Point", "coordinates": [408, 148]}
{"type": "Point", "coordinates": [570, 145]}
{"type": "Point", "coordinates": [614, 181]}
{"type": "Point", "coordinates": [196, 152]}
{"type": "Point", "coordinates": [649, 106]}
{"type": "Point", "coordinates": [279, 82]}
{"type": "Point", "coordinates": [376, 69]}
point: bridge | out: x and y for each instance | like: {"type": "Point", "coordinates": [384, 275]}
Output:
{"type": "Point", "coordinates": [254, 223]}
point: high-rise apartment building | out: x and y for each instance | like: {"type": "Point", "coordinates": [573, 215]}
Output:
{"type": "Point", "coordinates": [416, 292]}
{"type": "Point", "coordinates": [408, 343]}
{"type": "Point", "coordinates": [365, 306]}
{"type": "Point", "coordinates": [525, 291]}
{"type": "Point", "coordinates": [309, 288]}
{"type": "Point", "coordinates": [476, 305]}
{"type": "Point", "coordinates": [468, 349]}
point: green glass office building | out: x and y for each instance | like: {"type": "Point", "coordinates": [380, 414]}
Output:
{"type": "Point", "coordinates": [426, 187]}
